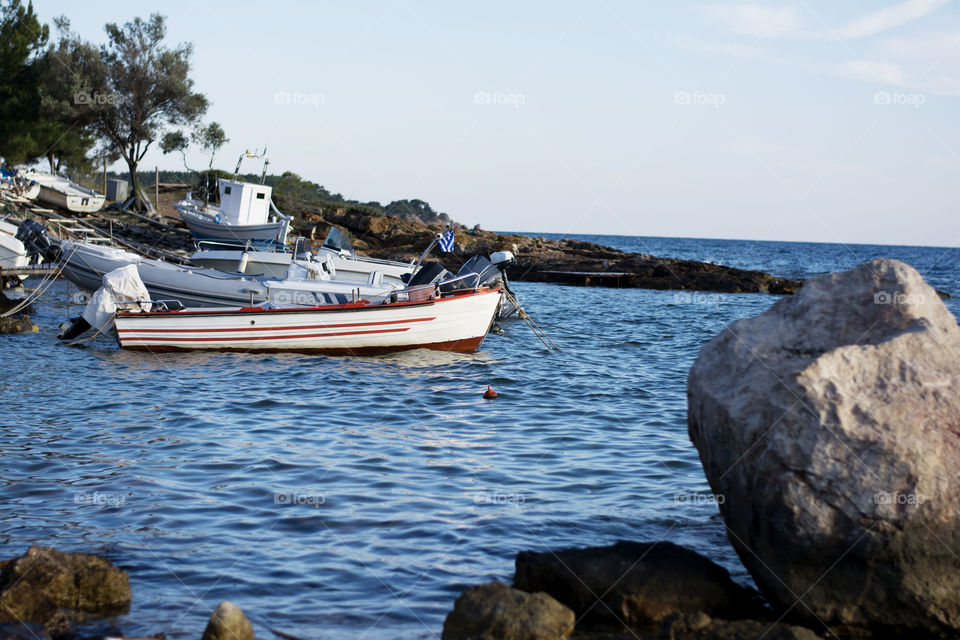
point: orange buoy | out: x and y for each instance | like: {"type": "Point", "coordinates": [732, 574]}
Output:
{"type": "Point", "coordinates": [490, 394]}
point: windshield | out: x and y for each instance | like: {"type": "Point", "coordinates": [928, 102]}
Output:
{"type": "Point", "coordinates": [337, 239]}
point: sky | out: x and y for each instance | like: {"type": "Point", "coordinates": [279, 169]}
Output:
{"type": "Point", "coordinates": [806, 121]}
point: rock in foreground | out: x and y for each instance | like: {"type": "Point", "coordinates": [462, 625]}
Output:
{"type": "Point", "coordinates": [15, 325]}
{"type": "Point", "coordinates": [634, 584]}
{"type": "Point", "coordinates": [52, 588]}
{"type": "Point", "coordinates": [494, 611]}
{"type": "Point", "coordinates": [228, 622]}
{"type": "Point", "coordinates": [831, 426]}
{"type": "Point", "coordinates": [700, 626]}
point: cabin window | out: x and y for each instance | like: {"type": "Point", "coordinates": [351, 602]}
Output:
{"type": "Point", "coordinates": [260, 196]}
{"type": "Point", "coordinates": [226, 190]}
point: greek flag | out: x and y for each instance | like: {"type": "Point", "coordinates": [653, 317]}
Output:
{"type": "Point", "coordinates": [445, 242]}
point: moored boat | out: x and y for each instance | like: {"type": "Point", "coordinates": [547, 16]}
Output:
{"type": "Point", "coordinates": [456, 321]}
{"type": "Point", "coordinates": [303, 283]}
{"type": "Point", "coordinates": [336, 249]}
{"type": "Point", "coordinates": [13, 253]}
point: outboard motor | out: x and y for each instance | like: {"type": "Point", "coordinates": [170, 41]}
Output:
{"type": "Point", "coordinates": [429, 273]}
{"type": "Point", "coordinates": [476, 272]}
{"type": "Point", "coordinates": [34, 237]}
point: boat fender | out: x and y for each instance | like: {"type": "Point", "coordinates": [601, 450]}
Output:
{"type": "Point", "coordinates": [490, 394]}
{"type": "Point", "coordinates": [244, 261]}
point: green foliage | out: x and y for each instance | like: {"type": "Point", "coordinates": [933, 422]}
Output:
{"type": "Point", "coordinates": [151, 88]}
{"type": "Point", "coordinates": [72, 88]}
{"type": "Point", "coordinates": [22, 40]}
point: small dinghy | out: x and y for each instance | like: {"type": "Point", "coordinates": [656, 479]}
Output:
{"type": "Point", "coordinates": [63, 193]}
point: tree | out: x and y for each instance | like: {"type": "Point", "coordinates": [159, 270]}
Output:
{"type": "Point", "coordinates": [72, 94]}
{"type": "Point", "coordinates": [150, 89]}
{"type": "Point", "coordinates": [22, 40]}
{"type": "Point", "coordinates": [210, 139]}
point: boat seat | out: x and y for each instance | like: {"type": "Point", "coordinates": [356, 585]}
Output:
{"type": "Point", "coordinates": [375, 279]}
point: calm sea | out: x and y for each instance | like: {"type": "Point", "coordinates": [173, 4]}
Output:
{"type": "Point", "coordinates": [356, 497]}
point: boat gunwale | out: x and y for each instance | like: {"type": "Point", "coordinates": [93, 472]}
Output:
{"type": "Point", "coordinates": [363, 305]}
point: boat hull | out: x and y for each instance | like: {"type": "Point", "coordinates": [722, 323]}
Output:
{"type": "Point", "coordinates": [348, 268]}
{"type": "Point", "coordinates": [210, 231]}
{"type": "Point", "coordinates": [458, 323]}
{"type": "Point", "coordinates": [78, 203]}
{"type": "Point", "coordinates": [85, 266]}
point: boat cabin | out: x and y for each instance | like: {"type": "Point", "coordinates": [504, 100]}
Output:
{"type": "Point", "coordinates": [244, 202]}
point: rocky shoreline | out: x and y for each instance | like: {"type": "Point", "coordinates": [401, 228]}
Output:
{"type": "Point", "coordinates": [541, 260]}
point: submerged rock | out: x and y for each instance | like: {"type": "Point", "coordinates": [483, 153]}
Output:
{"type": "Point", "coordinates": [830, 424]}
{"type": "Point", "coordinates": [54, 589]}
{"type": "Point", "coordinates": [15, 325]}
{"type": "Point", "coordinates": [494, 611]}
{"type": "Point", "coordinates": [700, 626]}
{"type": "Point", "coordinates": [634, 584]}
{"type": "Point", "coordinates": [228, 622]}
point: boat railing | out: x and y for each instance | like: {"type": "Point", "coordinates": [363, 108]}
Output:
{"type": "Point", "coordinates": [463, 277]}
{"type": "Point", "coordinates": [164, 305]}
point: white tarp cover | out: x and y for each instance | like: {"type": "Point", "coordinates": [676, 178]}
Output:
{"type": "Point", "coordinates": [120, 288]}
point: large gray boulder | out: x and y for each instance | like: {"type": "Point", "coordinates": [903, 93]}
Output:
{"type": "Point", "coordinates": [830, 424]}
{"type": "Point", "coordinates": [494, 611]}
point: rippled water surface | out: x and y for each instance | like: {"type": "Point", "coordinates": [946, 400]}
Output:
{"type": "Point", "coordinates": [355, 497]}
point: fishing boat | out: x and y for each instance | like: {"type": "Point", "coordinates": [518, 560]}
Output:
{"type": "Point", "coordinates": [304, 283]}
{"type": "Point", "coordinates": [336, 248]}
{"type": "Point", "coordinates": [246, 214]}
{"type": "Point", "coordinates": [456, 321]}
{"type": "Point", "coordinates": [61, 192]}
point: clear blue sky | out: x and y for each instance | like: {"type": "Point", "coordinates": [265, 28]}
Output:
{"type": "Point", "coordinates": [813, 120]}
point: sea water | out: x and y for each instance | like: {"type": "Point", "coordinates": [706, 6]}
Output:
{"type": "Point", "coordinates": [343, 497]}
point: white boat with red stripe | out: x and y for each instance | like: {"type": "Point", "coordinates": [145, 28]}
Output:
{"type": "Point", "coordinates": [455, 321]}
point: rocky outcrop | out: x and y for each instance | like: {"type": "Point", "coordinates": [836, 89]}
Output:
{"type": "Point", "coordinates": [830, 424]}
{"type": "Point", "coordinates": [54, 589]}
{"type": "Point", "coordinates": [15, 325]}
{"type": "Point", "coordinates": [494, 611]}
{"type": "Point", "coordinates": [634, 584]}
{"type": "Point", "coordinates": [228, 622]}
{"type": "Point", "coordinates": [700, 626]}
{"type": "Point", "coordinates": [540, 260]}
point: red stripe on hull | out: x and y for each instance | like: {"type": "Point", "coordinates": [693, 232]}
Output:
{"type": "Point", "coordinates": [249, 338]}
{"type": "Point", "coordinates": [295, 328]}
{"type": "Point", "coordinates": [468, 345]}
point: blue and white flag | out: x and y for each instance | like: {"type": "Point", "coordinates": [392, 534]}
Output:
{"type": "Point", "coordinates": [445, 242]}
